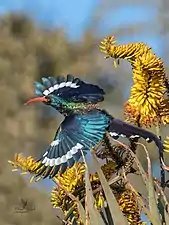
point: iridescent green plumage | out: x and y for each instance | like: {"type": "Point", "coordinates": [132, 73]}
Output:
{"type": "Point", "coordinates": [65, 106]}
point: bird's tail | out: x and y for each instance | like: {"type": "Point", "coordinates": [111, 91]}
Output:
{"type": "Point", "coordinates": [118, 128]}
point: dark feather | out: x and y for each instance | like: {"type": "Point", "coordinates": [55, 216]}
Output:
{"type": "Point", "coordinates": [54, 172]}
{"type": "Point", "coordinates": [47, 173]}
{"type": "Point", "coordinates": [41, 171]}
{"type": "Point", "coordinates": [46, 82]}
{"type": "Point", "coordinates": [121, 128]}
{"type": "Point", "coordinates": [72, 89]}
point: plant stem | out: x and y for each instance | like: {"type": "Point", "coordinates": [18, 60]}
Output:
{"type": "Point", "coordinates": [161, 157]}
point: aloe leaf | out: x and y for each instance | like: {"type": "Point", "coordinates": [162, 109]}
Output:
{"type": "Point", "coordinates": [94, 215]}
{"type": "Point", "coordinates": [152, 195]}
{"type": "Point", "coordinates": [163, 204]}
{"type": "Point", "coordinates": [116, 213]}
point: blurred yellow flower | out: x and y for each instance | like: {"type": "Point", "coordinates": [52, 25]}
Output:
{"type": "Point", "coordinates": [146, 102]}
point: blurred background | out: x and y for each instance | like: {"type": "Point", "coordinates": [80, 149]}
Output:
{"type": "Point", "coordinates": [52, 37]}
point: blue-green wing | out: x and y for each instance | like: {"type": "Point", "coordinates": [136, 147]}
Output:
{"type": "Point", "coordinates": [77, 133]}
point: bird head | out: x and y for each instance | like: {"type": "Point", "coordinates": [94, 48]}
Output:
{"type": "Point", "coordinates": [66, 93]}
{"type": "Point", "coordinates": [51, 100]}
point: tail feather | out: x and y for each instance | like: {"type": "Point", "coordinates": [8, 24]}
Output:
{"type": "Point", "coordinates": [119, 128]}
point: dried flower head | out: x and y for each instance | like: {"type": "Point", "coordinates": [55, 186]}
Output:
{"type": "Point", "coordinates": [147, 96]}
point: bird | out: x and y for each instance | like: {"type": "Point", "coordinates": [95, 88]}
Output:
{"type": "Point", "coordinates": [85, 122]}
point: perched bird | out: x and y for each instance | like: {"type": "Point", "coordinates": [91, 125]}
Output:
{"type": "Point", "coordinates": [85, 123]}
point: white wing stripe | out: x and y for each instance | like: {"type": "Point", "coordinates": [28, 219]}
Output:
{"type": "Point", "coordinates": [51, 162]}
{"type": "Point", "coordinates": [58, 86]}
{"type": "Point", "coordinates": [46, 92]}
{"type": "Point", "coordinates": [44, 161]}
{"type": "Point", "coordinates": [123, 135]}
{"type": "Point", "coordinates": [113, 134]}
{"type": "Point", "coordinates": [45, 153]}
{"type": "Point", "coordinates": [68, 83]}
{"type": "Point", "coordinates": [55, 142]}
{"type": "Point", "coordinates": [64, 158]}
{"type": "Point", "coordinates": [61, 85]}
{"type": "Point", "coordinates": [51, 89]}
{"type": "Point", "coordinates": [134, 136]}
{"type": "Point", "coordinates": [73, 85]}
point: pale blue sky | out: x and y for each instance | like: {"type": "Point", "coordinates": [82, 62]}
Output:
{"type": "Point", "coordinates": [76, 15]}
{"type": "Point", "coordinates": [72, 14]}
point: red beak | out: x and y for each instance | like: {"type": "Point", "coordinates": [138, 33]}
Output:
{"type": "Point", "coordinates": [38, 99]}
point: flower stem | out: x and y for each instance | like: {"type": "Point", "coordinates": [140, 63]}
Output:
{"type": "Point", "coordinates": [161, 157]}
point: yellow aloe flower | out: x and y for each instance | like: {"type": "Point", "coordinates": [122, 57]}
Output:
{"type": "Point", "coordinates": [25, 164]}
{"type": "Point", "coordinates": [73, 181]}
{"type": "Point", "coordinates": [71, 178]}
{"type": "Point", "coordinates": [129, 206]}
{"type": "Point", "coordinates": [166, 144]}
{"type": "Point", "coordinates": [132, 114]}
{"type": "Point", "coordinates": [99, 200]}
{"type": "Point", "coordinates": [147, 100]}
{"type": "Point", "coordinates": [58, 197]}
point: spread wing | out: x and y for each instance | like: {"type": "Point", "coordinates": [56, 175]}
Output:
{"type": "Point", "coordinates": [69, 88]}
{"type": "Point", "coordinates": [76, 133]}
